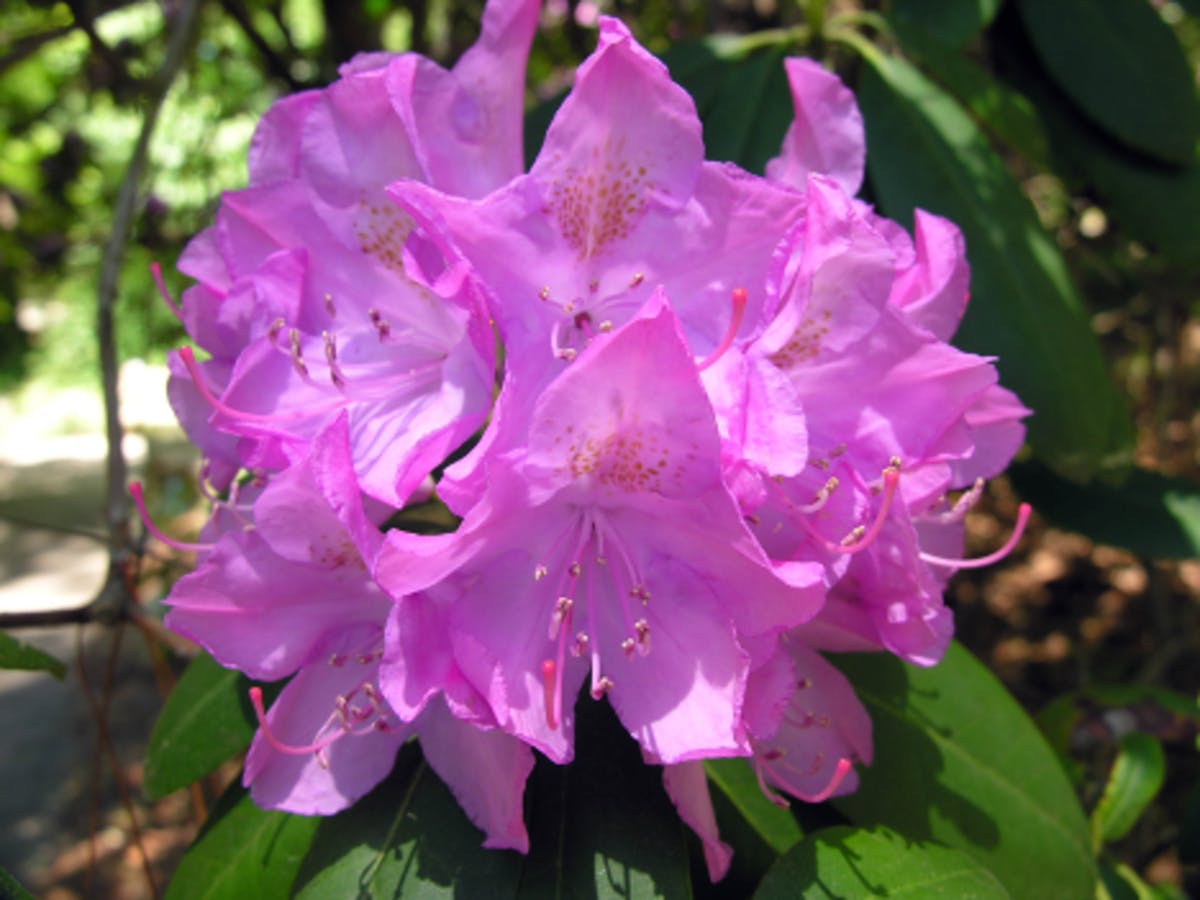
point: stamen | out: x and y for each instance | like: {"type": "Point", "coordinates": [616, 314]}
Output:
{"type": "Point", "coordinates": [189, 361]}
{"type": "Point", "coordinates": [382, 326]}
{"type": "Point", "coordinates": [156, 274]}
{"type": "Point", "coordinates": [297, 358]}
{"type": "Point", "coordinates": [961, 507]}
{"type": "Point", "coordinates": [290, 749]}
{"type": "Point", "coordinates": [335, 374]}
{"type": "Point", "coordinates": [861, 539]}
{"type": "Point", "coordinates": [601, 686]}
{"type": "Point", "coordinates": [549, 679]}
{"type": "Point", "coordinates": [820, 498]}
{"type": "Point", "coordinates": [840, 771]}
{"type": "Point", "coordinates": [638, 278]}
{"type": "Point", "coordinates": [739, 299]}
{"type": "Point", "coordinates": [1023, 513]}
{"type": "Point", "coordinates": [329, 307]}
{"type": "Point", "coordinates": [135, 490]}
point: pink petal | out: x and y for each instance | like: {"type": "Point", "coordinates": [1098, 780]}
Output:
{"type": "Point", "coordinates": [687, 786]}
{"type": "Point", "coordinates": [826, 137]}
{"type": "Point", "coordinates": [933, 291]}
{"type": "Point", "coordinates": [485, 769]}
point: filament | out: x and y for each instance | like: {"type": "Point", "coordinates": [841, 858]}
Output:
{"type": "Point", "coordinates": [135, 491]}
{"type": "Point", "coordinates": [1018, 529]}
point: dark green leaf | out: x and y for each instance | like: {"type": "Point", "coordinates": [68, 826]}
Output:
{"type": "Point", "coordinates": [953, 22]}
{"type": "Point", "coordinates": [243, 851]}
{"type": "Point", "coordinates": [1189, 828]}
{"type": "Point", "coordinates": [850, 862]}
{"type": "Point", "coordinates": [1121, 64]}
{"type": "Point", "coordinates": [736, 780]}
{"type": "Point", "coordinates": [16, 654]}
{"type": "Point", "coordinates": [925, 151]}
{"type": "Point", "coordinates": [601, 827]}
{"type": "Point", "coordinates": [1135, 780]}
{"type": "Point", "coordinates": [1147, 513]}
{"type": "Point", "coordinates": [742, 97]}
{"type": "Point", "coordinates": [11, 889]}
{"type": "Point", "coordinates": [1006, 115]}
{"type": "Point", "coordinates": [206, 720]}
{"type": "Point", "coordinates": [957, 761]}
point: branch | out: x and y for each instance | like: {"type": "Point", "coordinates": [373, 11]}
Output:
{"type": "Point", "coordinates": [117, 588]}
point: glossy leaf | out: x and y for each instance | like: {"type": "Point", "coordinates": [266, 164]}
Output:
{"type": "Point", "coordinates": [11, 889]}
{"type": "Point", "coordinates": [736, 780]}
{"type": "Point", "coordinates": [1147, 513]}
{"type": "Point", "coordinates": [924, 150]}
{"type": "Point", "coordinates": [16, 654]}
{"type": "Point", "coordinates": [1135, 780]}
{"type": "Point", "coordinates": [1122, 66]}
{"type": "Point", "coordinates": [206, 720]}
{"type": "Point", "coordinates": [243, 851]}
{"type": "Point", "coordinates": [959, 762]}
{"type": "Point", "coordinates": [601, 827]}
{"type": "Point", "coordinates": [1006, 115]}
{"type": "Point", "coordinates": [954, 22]}
{"type": "Point", "coordinates": [851, 862]}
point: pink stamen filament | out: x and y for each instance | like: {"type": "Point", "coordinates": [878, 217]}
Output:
{"type": "Point", "coordinates": [551, 691]}
{"type": "Point", "coordinates": [1023, 514]}
{"type": "Point", "coordinates": [135, 491]}
{"type": "Point", "coordinates": [156, 274]}
{"type": "Point", "coordinates": [290, 749]}
{"type": "Point", "coordinates": [739, 299]}
{"type": "Point", "coordinates": [189, 360]}
{"type": "Point", "coordinates": [891, 480]}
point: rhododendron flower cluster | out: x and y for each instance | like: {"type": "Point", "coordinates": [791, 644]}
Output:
{"type": "Point", "coordinates": [708, 425]}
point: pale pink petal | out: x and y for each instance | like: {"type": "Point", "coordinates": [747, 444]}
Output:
{"type": "Point", "coordinates": [345, 770]}
{"type": "Point", "coordinates": [687, 786]}
{"type": "Point", "coordinates": [826, 137]}
{"type": "Point", "coordinates": [486, 770]}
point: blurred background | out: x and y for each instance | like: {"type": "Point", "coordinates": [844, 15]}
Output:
{"type": "Point", "coordinates": [1094, 623]}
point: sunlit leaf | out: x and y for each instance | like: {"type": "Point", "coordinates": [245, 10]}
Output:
{"type": "Point", "coordinates": [1134, 782]}
{"type": "Point", "coordinates": [243, 851]}
{"type": "Point", "coordinates": [959, 762]}
{"type": "Point", "coordinates": [735, 779]}
{"type": "Point", "coordinates": [16, 654]}
{"type": "Point", "coordinates": [851, 862]}
{"type": "Point", "coordinates": [206, 720]}
{"type": "Point", "coordinates": [11, 889]}
{"type": "Point", "coordinates": [924, 150]}
{"type": "Point", "coordinates": [1121, 64]}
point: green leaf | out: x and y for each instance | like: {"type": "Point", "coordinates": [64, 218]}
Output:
{"type": "Point", "coordinates": [953, 22]}
{"type": "Point", "coordinates": [1189, 828]}
{"type": "Point", "coordinates": [11, 889]}
{"type": "Point", "coordinates": [601, 827]}
{"type": "Point", "coordinates": [1122, 66]}
{"type": "Point", "coordinates": [206, 720]}
{"type": "Point", "coordinates": [16, 654]}
{"type": "Point", "coordinates": [243, 851]}
{"type": "Point", "coordinates": [851, 862]}
{"type": "Point", "coordinates": [1135, 780]}
{"type": "Point", "coordinates": [958, 761]}
{"type": "Point", "coordinates": [1149, 514]}
{"type": "Point", "coordinates": [741, 94]}
{"type": "Point", "coordinates": [925, 151]}
{"type": "Point", "coordinates": [1005, 114]}
{"type": "Point", "coordinates": [736, 780]}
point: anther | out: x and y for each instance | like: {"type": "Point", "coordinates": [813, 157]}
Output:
{"type": "Point", "coordinates": [544, 293]}
{"type": "Point", "coordinates": [642, 628]}
{"type": "Point", "coordinates": [540, 572]}
{"type": "Point", "coordinates": [382, 326]}
{"type": "Point", "coordinates": [860, 540]}
{"type": "Point", "coordinates": [1023, 514]}
{"type": "Point", "coordinates": [593, 285]}
{"type": "Point", "coordinates": [739, 299]}
{"type": "Point", "coordinates": [602, 686]}
{"type": "Point", "coordinates": [627, 646]}
{"type": "Point", "coordinates": [580, 646]}
{"type": "Point", "coordinates": [135, 491]}
{"type": "Point", "coordinates": [605, 327]}
{"type": "Point", "coordinates": [637, 279]}
{"type": "Point", "coordinates": [297, 358]}
{"type": "Point", "coordinates": [567, 354]}
{"type": "Point", "coordinates": [329, 307]}
{"type": "Point", "coordinates": [335, 374]}
{"type": "Point", "coordinates": [275, 328]}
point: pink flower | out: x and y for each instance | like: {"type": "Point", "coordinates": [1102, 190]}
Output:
{"type": "Point", "coordinates": [610, 544]}
{"type": "Point", "coordinates": [304, 299]}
